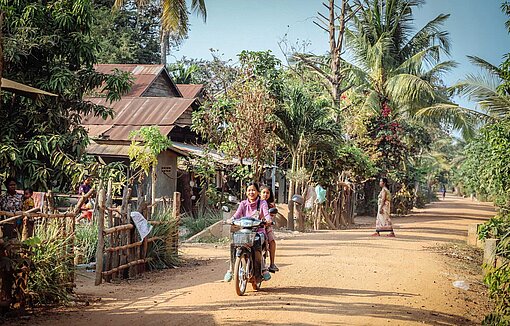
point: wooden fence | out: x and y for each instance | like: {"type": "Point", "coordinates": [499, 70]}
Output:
{"type": "Point", "coordinates": [121, 253]}
{"type": "Point", "coordinates": [338, 209]}
{"type": "Point", "coordinates": [46, 210]}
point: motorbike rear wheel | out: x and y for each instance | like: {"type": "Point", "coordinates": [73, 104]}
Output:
{"type": "Point", "coordinates": [241, 275]}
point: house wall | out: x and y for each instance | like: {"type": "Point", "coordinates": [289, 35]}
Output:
{"type": "Point", "coordinates": [161, 87]}
{"type": "Point", "coordinates": [166, 174]}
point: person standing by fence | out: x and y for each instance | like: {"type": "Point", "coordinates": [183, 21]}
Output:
{"type": "Point", "coordinates": [11, 202]}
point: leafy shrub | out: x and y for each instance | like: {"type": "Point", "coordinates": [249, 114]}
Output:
{"type": "Point", "coordinates": [498, 279]}
{"type": "Point", "coordinates": [403, 201]}
{"type": "Point", "coordinates": [203, 221]}
{"type": "Point", "coordinates": [421, 200]}
{"type": "Point", "coordinates": [495, 228]}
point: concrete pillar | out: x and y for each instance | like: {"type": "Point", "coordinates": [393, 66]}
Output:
{"type": "Point", "coordinates": [472, 237]}
{"type": "Point", "coordinates": [489, 253]}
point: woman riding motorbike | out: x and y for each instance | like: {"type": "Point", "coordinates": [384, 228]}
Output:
{"type": "Point", "coordinates": [254, 207]}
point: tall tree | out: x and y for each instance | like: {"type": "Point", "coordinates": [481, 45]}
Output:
{"type": "Point", "coordinates": [331, 70]}
{"type": "Point", "coordinates": [303, 124]}
{"type": "Point", "coordinates": [174, 19]}
{"type": "Point", "coordinates": [128, 35]}
{"type": "Point", "coordinates": [48, 45]}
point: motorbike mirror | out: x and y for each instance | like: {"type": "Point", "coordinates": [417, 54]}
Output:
{"type": "Point", "coordinates": [273, 211]}
{"type": "Point", "coordinates": [225, 209]}
{"type": "Point", "coordinates": [298, 199]}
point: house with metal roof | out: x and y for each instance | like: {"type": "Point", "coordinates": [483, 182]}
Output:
{"type": "Point", "coordinates": [154, 100]}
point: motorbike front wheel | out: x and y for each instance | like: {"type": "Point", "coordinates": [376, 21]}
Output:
{"type": "Point", "coordinates": [256, 285]}
{"type": "Point", "coordinates": [241, 274]}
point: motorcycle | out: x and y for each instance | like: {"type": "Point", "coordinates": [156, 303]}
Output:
{"type": "Point", "coordinates": [248, 252]}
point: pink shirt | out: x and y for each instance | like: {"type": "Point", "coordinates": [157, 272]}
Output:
{"type": "Point", "coordinates": [247, 209]}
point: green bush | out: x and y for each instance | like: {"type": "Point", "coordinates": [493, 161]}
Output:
{"type": "Point", "coordinates": [201, 222]}
{"type": "Point", "coordinates": [403, 201]}
{"type": "Point", "coordinates": [498, 279]}
{"type": "Point", "coordinates": [421, 200]}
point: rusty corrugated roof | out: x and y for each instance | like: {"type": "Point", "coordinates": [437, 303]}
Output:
{"type": "Point", "coordinates": [96, 130]}
{"type": "Point", "coordinates": [122, 133]}
{"type": "Point", "coordinates": [121, 150]}
{"type": "Point", "coordinates": [133, 113]}
{"type": "Point", "coordinates": [144, 75]}
{"type": "Point", "coordinates": [190, 90]}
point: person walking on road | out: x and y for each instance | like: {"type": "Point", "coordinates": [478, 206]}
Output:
{"type": "Point", "coordinates": [383, 219]}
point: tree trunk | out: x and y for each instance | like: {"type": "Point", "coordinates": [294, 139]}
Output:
{"type": "Point", "coordinates": [163, 47]}
{"type": "Point", "coordinates": [335, 47]}
{"type": "Point", "coordinates": [290, 216]}
{"type": "Point", "coordinates": [1, 51]}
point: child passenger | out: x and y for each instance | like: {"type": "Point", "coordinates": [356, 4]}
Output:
{"type": "Point", "coordinates": [267, 195]}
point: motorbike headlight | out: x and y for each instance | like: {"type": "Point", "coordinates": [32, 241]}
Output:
{"type": "Point", "coordinates": [245, 223]}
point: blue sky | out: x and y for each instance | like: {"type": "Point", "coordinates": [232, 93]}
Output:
{"type": "Point", "coordinates": [476, 28]}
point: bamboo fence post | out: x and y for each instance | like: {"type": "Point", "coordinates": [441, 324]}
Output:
{"type": "Point", "coordinates": [176, 214]}
{"type": "Point", "coordinates": [131, 250]}
{"type": "Point", "coordinates": [100, 245]}
{"type": "Point", "coordinates": [51, 203]}
{"type": "Point", "coordinates": [124, 220]}
{"type": "Point", "coordinates": [109, 201]}
{"type": "Point", "coordinates": [153, 189]}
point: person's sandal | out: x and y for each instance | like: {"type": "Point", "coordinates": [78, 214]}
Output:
{"type": "Point", "coordinates": [228, 276]}
{"type": "Point", "coordinates": [391, 235]}
{"type": "Point", "coordinates": [273, 268]}
{"type": "Point", "coordinates": [376, 234]}
{"type": "Point", "coordinates": [266, 275]}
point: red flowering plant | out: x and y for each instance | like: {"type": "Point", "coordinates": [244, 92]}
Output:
{"type": "Point", "coordinates": [386, 137]}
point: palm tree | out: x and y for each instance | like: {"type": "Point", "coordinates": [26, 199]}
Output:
{"type": "Point", "coordinates": [304, 125]}
{"type": "Point", "coordinates": [393, 65]}
{"type": "Point", "coordinates": [493, 102]}
{"type": "Point", "coordinates": [174, 19]}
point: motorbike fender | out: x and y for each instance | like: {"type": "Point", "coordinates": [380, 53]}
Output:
{"type": "Point", "coordinates": [241, 250]}
{"type": "Point", "coordinates": [259, 241]}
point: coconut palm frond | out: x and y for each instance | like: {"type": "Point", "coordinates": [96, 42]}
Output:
{"type": "Point", "coordinates": [371, 102]}
{"type": "Point", "coordinates": [414, 63]}
{"type": "Point", "coordinates": [408, 88]}
{"type": "Point", "coordinates": [198, 7]}
{"type": "Point", "coordinates": [482, 89]}
{"type": "Point", "coordinates": [458, 117]}
{"type": "Point", "coordinates": [174, 16]}
{"type": "Point", "coordinates": [438, 70]}
{"type": "Point", "coordinates": [485, 65]}
{"type": "Point", "coordinates": [432, 29]}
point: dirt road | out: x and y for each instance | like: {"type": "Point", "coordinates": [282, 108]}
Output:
{"type": "Point", "coordinates": [325, 278]}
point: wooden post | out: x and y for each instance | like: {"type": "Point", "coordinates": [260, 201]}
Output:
{"type": "Point", "coordinates": [51, 203]}
{"type": "Point", "coordinates": [176, 214]}
{"type": "Point", "coordinates": [100, 242]}
{"type": "Point", "coordinates": [109, 201]}
{"type": "Point", "coordinates": [153, 189]}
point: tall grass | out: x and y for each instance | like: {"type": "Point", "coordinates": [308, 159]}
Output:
{"type": "Point", "coordinates": [49, 280]}
{"type": "Point", "coordinates": [86, 241]}
{"type": "Point", "coordinates": [161, 252]}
